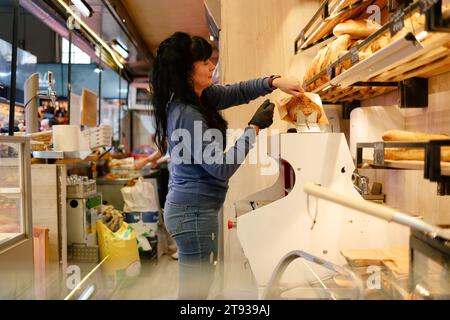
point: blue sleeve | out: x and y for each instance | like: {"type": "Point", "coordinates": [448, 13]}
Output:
{"type": "Point", "coordinates": [222, 97]}
{"type": "Point", "coordinates": [203, 146]}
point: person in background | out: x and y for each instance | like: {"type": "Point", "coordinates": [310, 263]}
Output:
{"type": "Point", "coordinates": [185, 100]}
{"type": "Point", "coordinates": [47, 124]}
{"type": "Point", "coordinates": [61, 114]}
{"type": "Point", "coordinates": [157, 161]}
{"type": "Point", "coordinates": [160, 162]}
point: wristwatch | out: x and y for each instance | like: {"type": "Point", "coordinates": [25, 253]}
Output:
{"type": "Point", "coordinates": [271, 78]}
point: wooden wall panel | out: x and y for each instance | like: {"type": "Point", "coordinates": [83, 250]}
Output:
{"type": "Point", "coordinates": [407, 190]}
{"type": "Point", "coordinates": [435, 118]}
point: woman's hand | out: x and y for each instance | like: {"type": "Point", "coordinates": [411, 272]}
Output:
{"type": "Point", "coordinates": [263, 117]}
{"type": "Point", "coordinates": [154, 164]}
{"type": "Point", "coordinates": [138, 165]}
{"type": "Point", "coordinates": [290, 85]}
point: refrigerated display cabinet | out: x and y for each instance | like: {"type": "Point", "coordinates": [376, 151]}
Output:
{"type": "Point", "coordinates": [16, 237]}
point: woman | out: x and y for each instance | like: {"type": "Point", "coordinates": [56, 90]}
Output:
{"type": "Point", "coordinates": [190, 127]}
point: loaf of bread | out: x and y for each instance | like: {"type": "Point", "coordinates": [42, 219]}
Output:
{"type": "Point", "coordinates": [342, 43]}
{"type": "Point", "coordinates": [380, 42]}
{"type": "Point", "coordinates": [412, 153]}
{"type": "Point", "coordinates": [410, 136]}
{"type": "Point", "coordinates": [314, 68]}
{"type": "Point", "coordinates": [324, 57]}
{"type": "Point", "coordinates": [336, 48]}
{"type": "Point", "coordinates": [413, 24]}
{"type": "Point", "coordinates": [356, 29]}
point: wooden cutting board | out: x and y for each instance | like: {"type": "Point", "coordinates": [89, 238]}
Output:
{"type": "Point", "coordinates": [395, 259]}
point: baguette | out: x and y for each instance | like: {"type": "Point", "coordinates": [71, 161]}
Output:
{"type": "Point", "coordinates": [401, 135]}
{"type": "Point", "coordinates": [413, 154]}
{"type": "Point", "coordinates": [357, 29]}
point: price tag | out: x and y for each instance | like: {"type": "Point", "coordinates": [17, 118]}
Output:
{"type": "Point", "coordinates": [397, 22]}
{"type": "Point", "coordinates": [354, 56]}
{"type": "Point", "coordinates": [426, 5]}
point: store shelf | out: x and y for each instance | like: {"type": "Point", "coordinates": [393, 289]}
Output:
{"type": "Point", "coordinates": [435, 166]}
{"type": "Point", "coordinates": [413, 54]}
{"type": "Point", "coordinates": [320, 27]}
{"type": "Point", "coordinates": [406, 165]}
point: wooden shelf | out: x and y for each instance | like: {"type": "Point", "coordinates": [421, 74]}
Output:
{"type": "Point", "coordinates": [431, 60]}
{"type": "Point", "coordinates": [320, 27]}
{"type": "Point", "coordinates": [408, 165]}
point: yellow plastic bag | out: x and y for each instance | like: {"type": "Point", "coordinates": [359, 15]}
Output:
{"type": "Point", "coordinates": [122, 248]}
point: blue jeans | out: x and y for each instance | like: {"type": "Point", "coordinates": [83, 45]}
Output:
{"type": "Point", "coordinates": [195, 230]}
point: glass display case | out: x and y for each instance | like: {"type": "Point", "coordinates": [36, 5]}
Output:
{"type": "Point", "coordinates": [429, 277]}
{"type": "Point", "coordinates": [16, 250]}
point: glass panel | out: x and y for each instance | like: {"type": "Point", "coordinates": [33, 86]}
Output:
{"type": "Point", "coordinates": [11, 211]}
{"type": "Point", "coordinates": [430, 277]}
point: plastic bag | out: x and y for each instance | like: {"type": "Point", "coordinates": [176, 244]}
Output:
{"type": "Point", "coordinates": [122, 248]}
{"type": "Point", "coordinates": [139, 198]}
{"type": "Point", "coordinates": [145, 224]}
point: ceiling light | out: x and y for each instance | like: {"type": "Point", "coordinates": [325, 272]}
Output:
{"type": "Point", "coordinates": [211, 38]}
{"type": "Point", "coordinates": [120, 48]}
{"type": "Point", "coordinates": [84, 8]}
{"type": "Point", "coordinates": [98, 70]}
{"type": "Point", "coordinates": [92, 32]}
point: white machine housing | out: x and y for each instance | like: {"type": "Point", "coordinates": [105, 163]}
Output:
{"type": "Point", "coordinates": [286, 223]}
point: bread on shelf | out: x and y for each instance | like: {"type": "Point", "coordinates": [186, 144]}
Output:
{"type": "Point", "coordinates": [349, 34]}
{"type": "Point", "coordinates": [411, 136]}
{"type": "Point", "coordinates": [356, 29]}
{"type": "Point", "coordinates": [412, 153]}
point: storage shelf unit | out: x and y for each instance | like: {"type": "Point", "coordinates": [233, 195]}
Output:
{"type": "Point", "coordinates": [433, 167]}
{"type": "Point", "coordinates": [407, 165]}
{"type": "Point", "coordinates": [416, 54]}
{"type": "Point", "coordinates": [320, 27]}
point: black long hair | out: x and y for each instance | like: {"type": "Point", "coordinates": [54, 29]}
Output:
{"type": "Point", "coordinates": [171, 77]}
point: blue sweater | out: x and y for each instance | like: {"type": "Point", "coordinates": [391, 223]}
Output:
{"type": "Point", "coordinates": [195, 179]}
